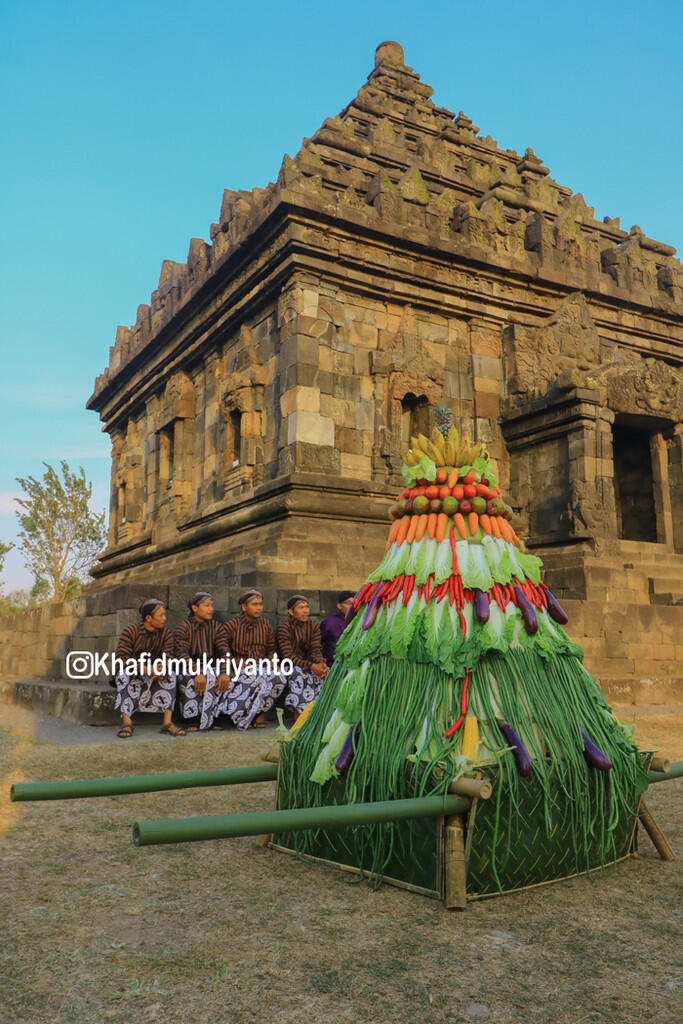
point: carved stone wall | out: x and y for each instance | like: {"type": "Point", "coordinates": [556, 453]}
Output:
{"type": "Point", "coordinates": [256, 407]}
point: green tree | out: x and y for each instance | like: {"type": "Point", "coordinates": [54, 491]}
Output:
{"type": "Point", "coordinates": [4, 548]}
{"type": "Point", "coordinates": [60, 534]}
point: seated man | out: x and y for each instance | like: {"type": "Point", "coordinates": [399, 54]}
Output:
{"type": "Point", "coordinates": [299, 640]}
{"type": "Point", "coordinates": [250, 636]}
{"type": "Point", "coordinates": [332, 627]}
{"type": "Point", "coordinates": [144, 689]}
{"type": "Point", "coordinates": [202, 696]}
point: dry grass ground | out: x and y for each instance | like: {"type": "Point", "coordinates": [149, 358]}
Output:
{"type": "Point", "coordinates": [93, 930]}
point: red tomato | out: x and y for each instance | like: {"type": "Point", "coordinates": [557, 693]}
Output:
{"type": "Point", "coordinates": [469, 490]}
{"type": "Point", "coordinates": [470, 477]}
{"type": "Point", "coordinates": [432, 492]}
{"type": "Point", "coordinates": [418, 492]}
{"type": "Point", "coordinates": [444, 492]}
{"type": "Point", "coordinates": [441, 476]}
{"type": "Point", "coordinates": [458, 492]}
{"type": "Point", "coordinates": [406, 493]}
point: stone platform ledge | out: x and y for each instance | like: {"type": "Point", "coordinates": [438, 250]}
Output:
{"type": "Point", "coordinates": [84, 703]}
{"type": "Point", "coordinates": [642, 691]}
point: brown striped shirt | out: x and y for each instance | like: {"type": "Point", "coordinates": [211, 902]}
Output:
{"type": "Point", "coordinates": [250, 638]}
{"type": "Point", "coordinates": [136, 640]}
{"type": "Point", "coordinates": [192, 639]}
{"type": "Point", "coordinates": [300, 642]}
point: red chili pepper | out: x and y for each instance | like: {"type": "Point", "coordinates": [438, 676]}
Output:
{"type": "Point", "coordinates": [442, 591]}
{"type": "Point", "coordinates": [498, 596]}
{"type": "Point", "coordinates": [540, 589]}
{"type": "Point", "coordinates": [511, 592]}
{"type": "Point", "coordinates": [463, 695]}
{"type": "Point", "coordinates": [419, 591]}
{"type": "Point", "coordinates": [454, 728]}
{"type": "Point", "coordinates": [463, 706]}
{"type": "Point", "coordinates": [451, 589]}
{"type": "Point", "coordinates": [427, 588]}
{"type": "Point", "coordinates": [408, 585]}
{"type": "Point", "coordinates": [469, 595]}
{"type": "Point", "coordinates": [463, 624]}
{"type": "Point", "coordinates": [452, 539]}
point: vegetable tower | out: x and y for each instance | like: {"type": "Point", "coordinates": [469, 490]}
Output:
{"type": "Point", "coordinates": [455, 661]}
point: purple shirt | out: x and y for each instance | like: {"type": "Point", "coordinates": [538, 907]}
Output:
{"type": "Point", "coordinates": [331, 629]}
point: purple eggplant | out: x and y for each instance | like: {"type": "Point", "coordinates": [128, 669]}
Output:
{"type": "Point", "coordinates": [373, 607]}
{"type": "Point", "coordinates": [555, 609]}
{"type": "Point", "coordinates": [345, 755]}
{"type": "Point", "coordinates": [528, 611]}
{"type": "Point", "coordinates": [352, 610]}
{"type": "Point", "coordinates": [521, 754]}
{"type": "Point", "coordinates": [481, 605]}
{"type": "Point", "coordinates": [594, 756]}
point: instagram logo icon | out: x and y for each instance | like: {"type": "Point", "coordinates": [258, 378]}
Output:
{"type": "Point", "coordinates": [80, 665]}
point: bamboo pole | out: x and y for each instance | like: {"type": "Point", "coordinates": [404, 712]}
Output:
{"type": "Point", "coordinates": [674, 772]}
{"type": "Point", "coordinates": [655, 833]}
{"type": "Point", "coordinates": [456, 867]}
{"type": "Point", "coordinates": [225, 826]}
{"type": "Point", "coordinates": [76, 789]}
{"type": "Point", "coordinates": [479, 789]}
{"type": "Point", "coordinates": [660, 764]}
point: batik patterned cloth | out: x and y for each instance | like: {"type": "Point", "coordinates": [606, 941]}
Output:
{"type": "Point", "coordinates": [193, 640]}
{"type": "Point", "coordinates": [303, 688]}
{"type": "Point", "coordinates": [300, 642]}
{"type": "Point", "coordinates": [250, 695]}
{"type": "Point", "coordinates": [138, 691]}
{"type": "Point", "coordinates": [142, 693]}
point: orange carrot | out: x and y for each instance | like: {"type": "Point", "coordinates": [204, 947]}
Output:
{"type": "Point", "coordinates": [421, 526]}
{"type": "Point", "coordinates": [473, 520]}
{"type": "Point", "coordinates": [514, 535]}
{"type": "Point", "coordinates": [495, 528]}
{"type": "Point", "coordinates": [392, 533]}
{"type": "Point", "coordinates": [485, 523]}
{"type": "Point", "coordinates": [403, 530]}
{"type": "Point", "coordinates": [441, 524]}
{"type": "Point", "coordinates": [505, 530]}
{"type": "Point", "coordinates": [460, 525]}
{"type": "Point", "coordinates": [412, 529]}
{"type": "Point", "coordinates": [453, 478]}
{"type": "Point", "coordinates": [431, 525]}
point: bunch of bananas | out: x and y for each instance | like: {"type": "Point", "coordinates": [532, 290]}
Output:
{"type": "Point", "coordinates": [444, 451]}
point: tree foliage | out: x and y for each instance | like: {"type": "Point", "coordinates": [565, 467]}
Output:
{"type": "Point", "coordinates": [4, 549]}
{"type": "Point", "coordinates": [60, 534]}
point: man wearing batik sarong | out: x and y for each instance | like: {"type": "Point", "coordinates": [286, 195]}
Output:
{"type": "Point", "coordinates": [202, 695]}
{"type": "Point", "coordinates": [251, 637]}
{"type": "Point", "coordinates": [298, 639]}
{"type": "Point", "coordinates": [145, 689]}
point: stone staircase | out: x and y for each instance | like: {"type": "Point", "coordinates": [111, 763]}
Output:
{"type": "Point", "coordinates": [84, 703]}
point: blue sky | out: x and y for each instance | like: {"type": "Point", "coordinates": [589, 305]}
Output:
{"type": "Point", "coordinates": [122, 123]}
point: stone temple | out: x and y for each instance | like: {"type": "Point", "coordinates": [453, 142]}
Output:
{"type": "Point", "coordinates": [259, 405]}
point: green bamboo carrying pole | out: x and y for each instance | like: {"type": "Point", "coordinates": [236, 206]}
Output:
{"type": "Point", "coordinates": [674, 772]}
{"type": "Point", "coordinates": [227, 826]}
{"type": "Point", "coordinates": [75, 789]}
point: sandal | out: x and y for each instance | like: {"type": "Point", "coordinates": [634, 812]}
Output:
{"type": "Point", "coordinates": [125, 732]}
{"type": "Point", "coordinates": [172, 730]}
{"type": "Point", "coordinates": [258, 725]}
{"type": "Point", "coordinates": [217, 728]}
